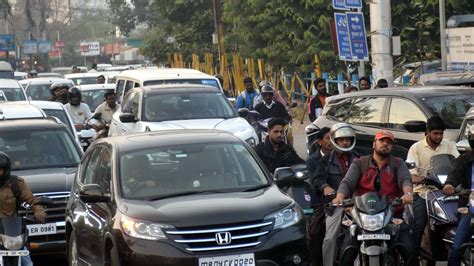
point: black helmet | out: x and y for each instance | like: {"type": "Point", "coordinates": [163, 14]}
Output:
{"type": "Point", "coordinates": [5, 163]}
{"type": "Point", "coordinates": [74, 92]}
{"type": "Point", "coordinates": [266, 89]}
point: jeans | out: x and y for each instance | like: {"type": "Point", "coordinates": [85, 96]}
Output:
{"type": "Point", "coordinates": [420, 218]}
{"type": "Point", "coordinates": [463, 235]}
{"type": "Point", "coordinates": [350, 248]}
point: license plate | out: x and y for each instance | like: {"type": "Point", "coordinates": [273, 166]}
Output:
{"type": "Point", "coordinates": [14, 253]}
{"type": "Point", "coordinates": [41, 229]}
{"type": "Point", "coordinates": [237, 260]}
{"type": "Point", "coordinates": [373, 237]}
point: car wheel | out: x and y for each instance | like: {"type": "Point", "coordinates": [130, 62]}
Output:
{"type": "Point", "coordinates": [72, 252]}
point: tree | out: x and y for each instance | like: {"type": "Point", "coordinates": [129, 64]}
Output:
{"type": "Point", "coordinates": [123, 16]}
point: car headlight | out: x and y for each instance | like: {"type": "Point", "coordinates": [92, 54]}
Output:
{"type": "Point", "coordinates": [286, 217]}
{"type": "Point", "coordinates": [144, 230]}
{"type": "Point", "coordinates": [372, 222]}
{"type": "Point", "coordinates": [251, 142]}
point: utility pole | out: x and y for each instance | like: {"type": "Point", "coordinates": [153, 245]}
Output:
{"type": "Point", "coordinates": [219, 27]}
{"type": "Point", "coordinates": [442, 33]}
{"type": "Point", "coordinates": [361, 68]}
{"type": "Point", "coordinates": [381, 40]}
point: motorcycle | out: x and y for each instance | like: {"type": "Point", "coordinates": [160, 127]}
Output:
{"type": "Point", "coordinates": [87, 134]}
{"type": "Point", "coordinates": [374, 227]}
{"type": "Point", "coordinates": [14, 236]}
{"type": "Point", "coordinates": [294, 182]}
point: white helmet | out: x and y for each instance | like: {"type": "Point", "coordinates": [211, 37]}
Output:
{"type": "Point", "coordinates": [342, 130]}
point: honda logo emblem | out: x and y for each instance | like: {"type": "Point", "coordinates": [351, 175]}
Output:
{"type": "Point", "coordinates": [223, 238]}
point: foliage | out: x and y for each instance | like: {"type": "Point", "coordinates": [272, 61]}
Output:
{"type": "Point", "coordinates": [123, 16]}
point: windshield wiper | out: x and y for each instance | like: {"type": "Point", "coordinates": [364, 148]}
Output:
{"type": "Point", "coordinates": [185, 193]}
{"type": "Point", "coordinates": [256, 187]}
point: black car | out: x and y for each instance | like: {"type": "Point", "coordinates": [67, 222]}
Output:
{"type": "Point", "coordinates": [46, 155]}
{"type": "Point", "coordinates": [182, 197]}
{"type": "Point", "coordinates": [401, 110]}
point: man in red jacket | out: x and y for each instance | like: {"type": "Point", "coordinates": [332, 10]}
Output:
{"type": "Point", "coordinates": [388, 176]}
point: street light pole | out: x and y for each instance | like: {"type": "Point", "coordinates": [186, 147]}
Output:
{"type": "Point", "coordinates": [381, 40]}
{"type": "Point", "coordinates": [442, 33]}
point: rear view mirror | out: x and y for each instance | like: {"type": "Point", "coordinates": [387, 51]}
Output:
{"type": "Point", "coordinates": [415, 126]}
{"type": "Point", "coordinates": [128, 118]}
{"type": "Point", "coordinates": [92, 193]}
{"type": "Point", "coordinates": [283, 176]}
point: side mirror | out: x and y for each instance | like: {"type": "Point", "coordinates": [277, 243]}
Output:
{"type": "Point", "coordinates": [44, 201]}
{"type": "Point", "coordinates": [127, 118]}
{"type": "Point", "coordinates": [293, 104]}
{"type": "Point", "coordinates": [463, 145]}
{"type": "Point", "coordinates": [415, 126]}
{"type": "Point", "coordinates": [283, 176]}
{"type": "Point", "coordinates": [96, 116]}
{"type": "Point", "coordinates": [92, 193]}
{"type": "Point", "coordinates": [86, 134]}
{"type": "Point", "coordinates": [300, 171]}
{"type": "Point", "coordinates": [243, 112]}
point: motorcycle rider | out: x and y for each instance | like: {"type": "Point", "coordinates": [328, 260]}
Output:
{"type": "Point", "coordinates": [270, 108]}
{"type": "Point", "coordinates": [276, 96]}
{"type": "Point", "coordinates": [318, 101]}
{"type": "Point", "coordinates": [331, 169]}
{"type": "Point", "coordinates": [78, 111]}
{"type": "Point", "coordinates": [274, 152]}
{"type": "Point", "coordinates": [420, 153]}
{"type": "Point", "coordinates": [108, 107]}
{"type": "Point", "coordinates": [246, 97]}
{"type": "Point", "coordinates": [385, 174]}
{"type": "Point", "coordinates": [461, 175]}
{"type": "Point", "coordinates": [56, 93]}
{"type": "Point", "coordinates": [14, 191]}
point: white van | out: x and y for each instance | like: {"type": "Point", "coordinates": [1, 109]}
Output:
{"type": "Point", "coordinates": [145, 77]}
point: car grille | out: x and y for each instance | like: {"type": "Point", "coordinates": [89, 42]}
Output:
{"type": "Point", "coordinates": [54, 214]}
{"type": "Point", "coordinates": [233, 236]}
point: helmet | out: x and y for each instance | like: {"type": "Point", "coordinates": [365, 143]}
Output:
{"type": "Point", "coordinates": [342, 130]}
{"type": "Point", "coordinates": [55, 86]}
{"type": "Point", "coordinates": [263, 83]}
{"type": "Point", "coordinates": [266, 89]}
{"type": "Point", "coordinates": [5, 163]}
{"type": "Point", "coordinates": [74, 92]}
{"type": "Point", "coordinates": [470, 136]}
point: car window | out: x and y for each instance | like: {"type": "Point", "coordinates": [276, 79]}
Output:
{"type": "Point", "coordinates": [61, 115]}
{"type": "Point", "coordinates": [13, 94]}
{"type": "Point", "coordinates": [84, 80]}
{"type": "Point", "coordinates": [104, 171]}
{"type": "Point", "coordinates": [127, 103]}
{"type": "Point", "coordinates": [367, 111]}
{"type": "Point", "coordinates": [401, 111]}
{"type": "Point", "coordinates": [209, 82]}
{"type": "Point", "coordinates": [38, 92]}
{"type": "Point", "coordinates": [128, 86]}
{"type": "Point", "coordinates": [339, 110]}
{"type": "Point", "coordinates": [33, 149]}
{"type": "Point", "coordinates": [120, 87]}
{"type": "Point", "coordinates": [92, 166]}
{"type": "Point", "coordinates": [136, 85]}
{"type": "Point", "coordinates": [135, 104]}
{"type": "Point", "coordinates": [93, 98]}
{"type": "Point", "coordinates": [176, 169]}
{"type": "Point", "coordinates": [451, 108]}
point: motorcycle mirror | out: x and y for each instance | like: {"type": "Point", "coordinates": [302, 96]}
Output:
{"type": "Point", "coordinates": [283, 176]}
{"type": "Point", "coordinates": [243, 112]}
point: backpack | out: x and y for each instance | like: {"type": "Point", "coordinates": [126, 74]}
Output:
{"type": "Point", "coordinates": [394, 163]}
{"type": "Point", "coordinates": [15, 187]}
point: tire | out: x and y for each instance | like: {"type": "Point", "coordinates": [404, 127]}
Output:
{"type": "Point", "coordinates": [72, 251]}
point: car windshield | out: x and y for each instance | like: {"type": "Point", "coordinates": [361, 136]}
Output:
{"type": "Point", "coordinates": [38, 92]}
{"type": "Point", "coordinates": [451, 108]}
{"type": "Point", "coordinates": [160, 172]}
{"type": "Point", "coordinates": [61, 115]}
{"type": "Point", "coordinates": [84, 80]}
{"type": "Point", "coordinates": [13, 94]}
{"type": "Point", "coordinates": [182, 106]}
{"type": "Point", "coordinates": [6, 75]}
{"type": "Point", "coordinates": [209, 82]}
{"type": "Point", "coordinates": [39, 149]}
{"type": "Point", "coordinates": [93, 98]}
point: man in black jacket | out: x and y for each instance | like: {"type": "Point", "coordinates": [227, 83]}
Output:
{"type": "Point", "coordinates": [274, 152]}
{"type": "Point", "coordinates": [270, 108]}
{"type": "Point", "coordinates": [462, 174]}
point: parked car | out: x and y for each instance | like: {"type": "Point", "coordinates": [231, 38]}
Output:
{"type": "Point", "coordinates": [44, 153]}
{"type": "Point", "coordinates": [37, 89]}
{"type": "Point", "coordinates": [11, 90]}
{"type": "Point", "coordinates": [129, 79]}
{"type": "Point", "coordinates": [93, 94]}
{"type": "Point", "coordinates": [164, 107]}
{"type": "Point", "coordinates": [462, 142]}
{"type": "Point", "coordinates": [402, 110]}
{"type": "Point", "coordinates": [180, 198]}
{"type": "Point", "coordinates": [6, 70]}
{"type": "Point", "coordinates": [84, 78]}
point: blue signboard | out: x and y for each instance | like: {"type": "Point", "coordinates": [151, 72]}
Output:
{"type": "Point", "coordinates": [339, 4]}
{"type": "Point", "coordinates": [358, 39]}
{"type": "Point", "coordinates": [343, 39]}
{"type": "Point", "coordinates": [7, 42]}
{"type": "Point", "coordinates": [353, 3]}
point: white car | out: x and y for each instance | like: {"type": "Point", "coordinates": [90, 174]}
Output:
{"type": "Point", "coordinates": [84, 78]}
{"type": "Point", "coordinates": [179, 107]}
{"type": "Point", "coordinates": [12, 90]}
{"type": "Point", "coordinates": [37, 89]}
{"type": "Point", "coordinates": [93, 94]}
{"type": "Point", "coordinates": [57, 110]}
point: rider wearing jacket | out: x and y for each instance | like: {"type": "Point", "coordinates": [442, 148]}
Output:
{"type": "Point", "coordinates": [270, 108]}
{"type": "Point", "coordinates": [462, 175]}
{"type": "Point", "coordinates": [78, 111]}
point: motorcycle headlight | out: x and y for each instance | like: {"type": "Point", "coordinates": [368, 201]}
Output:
{"type": "Point", "coordinates": [372, 222]}
{"type": "Point", "coordinates": [13, 242]}
{"type": "Point", "coordinates": [251, 142]}
{"type": "Point", "coordinates": [286, 217]}
{"type": "Point", "coordinates": [439, 212]}
{"type": "Point", "coordinates": [144, 230]}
